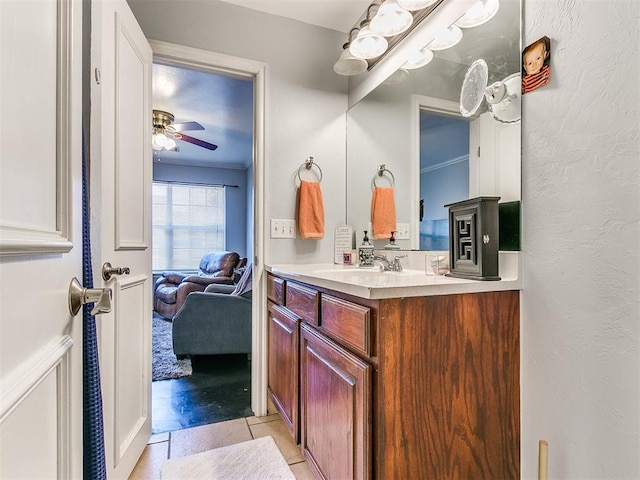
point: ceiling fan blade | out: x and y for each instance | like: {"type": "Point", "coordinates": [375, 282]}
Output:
{"type": "Point", "coordinates": [185, 126]}
{"type": "Point", "coordinates": [195, 141]}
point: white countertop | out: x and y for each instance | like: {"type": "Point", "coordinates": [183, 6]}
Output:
{"type": "Point", "coordinates": [375, 284]}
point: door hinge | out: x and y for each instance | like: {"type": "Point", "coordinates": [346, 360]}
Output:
{"type": "Point", "coordinates": [478, 152]}
{"type": "Point", "coordinates": [96, 73]}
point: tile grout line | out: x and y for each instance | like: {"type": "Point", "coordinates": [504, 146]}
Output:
{"type": "Point", "coordinates": [249, 427]}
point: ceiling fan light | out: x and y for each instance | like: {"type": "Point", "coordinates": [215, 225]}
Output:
{"type": "Point", "coordinates": [159, 141]}
{"type": "Point", "coordinates": [480, 12]}
{"type": "Point", "coordinates": [446, 38]}
{"type": "Point", "coordinates": [413, 5]}
{"type": "Point", "coordinates": [170, 144]}
{"type": "Point", "coordinates": [391, 19]}
{"type": "Point", "coordinates": [348, 65]}
{"type": "Point", "coordinates": [419, 59]}
{"type": "Point", "coordinates": [368, 44]}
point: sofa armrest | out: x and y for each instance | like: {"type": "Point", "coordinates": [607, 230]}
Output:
{"type": "Point", "coordinates": [172, 277]}
{"type": "Point", "coordinates": [204, 280]}
{"type": "Point", "coordinates": [220, 288]}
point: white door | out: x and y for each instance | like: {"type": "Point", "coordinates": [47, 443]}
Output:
{"type": "Point", "coordinates": [494, 159]}
{"type": "Point", "coordinates": [40, 238]}
{"type": "Point", "coordinates": [121, 163]}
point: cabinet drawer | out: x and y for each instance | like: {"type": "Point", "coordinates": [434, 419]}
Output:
{"type": "Point", "coordinates": [302, 301]}
{"type": "Point", "coordinates": [347, 322]}
{"type": "Point", "coordinates": [275, 289]}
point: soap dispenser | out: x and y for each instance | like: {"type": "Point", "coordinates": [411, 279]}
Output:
{"type": "Point", "coordinates": [392, 243]}
{"type": "Point", "coordinates": [365, 252]}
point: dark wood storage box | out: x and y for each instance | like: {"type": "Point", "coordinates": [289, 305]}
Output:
{"type": "Point", "coordinates": [473, 239]}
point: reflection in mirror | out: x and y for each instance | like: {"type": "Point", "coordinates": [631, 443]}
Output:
{"type": "Point", "coordinates": [436, 155]}
{"type": "Point", "coordinates": [444, 174]}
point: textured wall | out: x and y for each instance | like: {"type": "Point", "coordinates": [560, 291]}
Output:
{"type": "Point", "coordinates": [581, 214]}
{"type": "Point", "coordinates": [305, 101]}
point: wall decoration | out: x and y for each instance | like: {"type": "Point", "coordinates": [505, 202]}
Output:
{"type": "Point", "coordinates": [536, 68]}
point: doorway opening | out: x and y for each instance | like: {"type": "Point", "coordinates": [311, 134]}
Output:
{"type": "Point", "coordinates": [444, 174]}
{"type": "Point", "coordinates": [203, 202]}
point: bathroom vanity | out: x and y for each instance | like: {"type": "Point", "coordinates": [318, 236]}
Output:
{"type": "Point", "coordinates": [396, 375]}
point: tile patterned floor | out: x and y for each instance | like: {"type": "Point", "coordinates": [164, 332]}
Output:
{"type": "Point", "coordinates": [206, 437]}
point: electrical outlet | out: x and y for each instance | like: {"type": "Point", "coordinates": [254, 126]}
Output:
{"type": "Point", "coordinates": [283, 228]}
{"type": "Point", "coordinates": [402, 231]}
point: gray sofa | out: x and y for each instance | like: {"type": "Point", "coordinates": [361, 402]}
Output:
{"type": "Point", "coordinates": [216, 321]}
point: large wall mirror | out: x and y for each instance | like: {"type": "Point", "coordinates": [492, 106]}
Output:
{"type": "Point", "coordinates": [411, 123]}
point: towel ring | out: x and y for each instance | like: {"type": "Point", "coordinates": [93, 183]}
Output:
{"type": "Point", "coordinates": [380, 174]}
{"type": "Point", "coordinates": [308, 163]}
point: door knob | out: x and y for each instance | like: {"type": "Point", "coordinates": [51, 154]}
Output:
{"type": "Point", "coordinates": [78, 296]}
{"type": "Point", "coordinates": [108, 271]}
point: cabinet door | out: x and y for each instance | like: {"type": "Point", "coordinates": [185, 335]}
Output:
{"type": "Point", "coordinates": [283, 365]}
{"type": "Point", "coordinates": [335, 408]}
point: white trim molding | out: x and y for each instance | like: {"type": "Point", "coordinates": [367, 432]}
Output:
{"type": "Point", "coordinates": [446, 163]}
{"type": "Point", "coordinates": [245, 68]}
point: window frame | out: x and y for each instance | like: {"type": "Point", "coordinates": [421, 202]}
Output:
{"type": "Point", "coordinates": [170, 229]}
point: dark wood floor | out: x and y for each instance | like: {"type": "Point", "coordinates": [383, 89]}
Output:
{"type": "Point", "coordinates": [218, 390]}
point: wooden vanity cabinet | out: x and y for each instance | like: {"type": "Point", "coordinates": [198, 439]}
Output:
{"type": "Point", "coordinates": [335, 406]}
{"type": "Point", "coordinates": [403, 388]}
{"type": "Point", "coordinates": [283, 364]}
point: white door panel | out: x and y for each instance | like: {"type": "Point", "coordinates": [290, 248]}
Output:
{"type": "Point", "coordinates": [40, 238]}
{"type": "Point", "coordinates": [494, 172]}
{"type": "Point", "coordinates": [121, 173]}
{"type": "Point", "coordinates": [132, 360]}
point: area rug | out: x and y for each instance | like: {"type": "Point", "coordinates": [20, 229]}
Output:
{"type": "Point", "coordinates": [164, 364]}
{"type": "Point", "coordinates": [258, 459]}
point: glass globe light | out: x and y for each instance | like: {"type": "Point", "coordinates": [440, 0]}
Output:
{"type": "Point", "coordinates": [391, 19]}
{"type": "Point", "coordinates": [413, 5]}
{"type": "Point", "coordinates": [368, 44]}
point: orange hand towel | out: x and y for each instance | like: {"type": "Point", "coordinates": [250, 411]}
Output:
{"type": "Point", "coordinates": [310, 210]}
{"type": "Point", "coordinates": [383, 212]}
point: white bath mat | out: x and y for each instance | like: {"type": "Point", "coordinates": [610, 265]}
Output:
{"type": "Point", "coordinates": [257, 459]}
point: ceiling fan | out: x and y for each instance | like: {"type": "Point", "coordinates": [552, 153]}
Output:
{"type": "Point", "coordinates": [164, 131]}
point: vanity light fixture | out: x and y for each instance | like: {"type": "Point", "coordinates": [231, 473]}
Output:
{"type": "Point", "coordinates": [347, 64]}
{"type": "Point", "coordinates": [480, 12]}
{"type": "Point", "coordinates": [367, 43]}
{"type": "Point", "coordinates": [413, 5]}
{"type": "Point", "coordinates": [446, 38]}
{"type": "Point", "coordinates": [391, 19]}
{"type": "Point", "coordinates": [398, 76]}
{"type": "Point", "coordinates": [419, 59]}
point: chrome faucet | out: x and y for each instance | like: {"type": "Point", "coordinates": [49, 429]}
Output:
{"type": "Point", "coordinates": [390, 266]}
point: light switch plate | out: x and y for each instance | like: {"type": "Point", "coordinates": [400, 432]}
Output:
{"type": "Point", "coordinates": [283, 228]}
{"type": "Point", "coordinates": [402, 231]}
